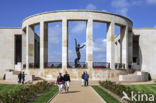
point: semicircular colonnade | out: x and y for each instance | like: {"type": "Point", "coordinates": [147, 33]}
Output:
{"type": "Point", "coordinates": [79, 15]}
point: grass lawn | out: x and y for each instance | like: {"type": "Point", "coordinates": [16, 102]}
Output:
{"type": "Point", "coordinates": [10, 87]}
{"type": "Point", "coordinates": [147, 88]}
{"type": "Point", "coordinates": [44, 98]}
{"type": "Point", "coordinates": [107, 97]}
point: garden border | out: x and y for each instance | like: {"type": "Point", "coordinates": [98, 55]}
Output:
{"type": "Point", "coordinates": [52, 97]}
{"type": "Point", "coordinates": [98, 95]}
{"type": "Point", "coordinates": [113, 94]}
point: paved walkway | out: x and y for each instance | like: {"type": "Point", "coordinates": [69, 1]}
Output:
{"type": "Point", "coordinates": [78, 94]}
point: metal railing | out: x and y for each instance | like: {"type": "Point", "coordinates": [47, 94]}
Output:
{"type": "Point", "coordinates": [32, 65]}
{"type": "Point", "coordinates": [53, 65]}
{"type": "Point", "coordinates": [72, 65]}
{"type": "Point", "coordinates": [101, 65]}
{"type": "Point", "coordinates": [80, 65]}
{"type": "Point", "coordinates": [119, 66]}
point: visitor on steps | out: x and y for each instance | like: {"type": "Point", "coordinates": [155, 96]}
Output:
{"type": "Point", "coordinates": [19, 77]}
{"type": "Point", "coordinates": [60, 82]}
{"type": "Point", "coordinates": [66, 78]}
{"type": "Point", "coordinates": [86, 78]}
{"type": "Point", "coordinates": [23, 77]}
{"type": "Point", "coordinates": [83, 81]}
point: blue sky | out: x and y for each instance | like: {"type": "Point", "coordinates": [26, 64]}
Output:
{"type": "Point", "coordinates": [141, 12]}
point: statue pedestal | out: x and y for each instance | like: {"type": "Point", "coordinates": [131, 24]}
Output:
{"type": "Point", "coordinates": [18, 66]}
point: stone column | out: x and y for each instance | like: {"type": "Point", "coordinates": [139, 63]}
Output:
{"type": "Point", "coordinates": [124, 45]}
{"type": "Point", "coordinates": [24, 47]}
{"type": "Point", "coordinates": [43, 44]}
{"type": "Point", "coordinates": [110, 54]}
{"type": "Point", "coordinates": [64, 43]}
{"type": "Point", "coordinates": [29, 47]}
{"type": "Point", "coordinates": [130, 48]}
{"type": "Point", "coordinates": [118, 51]}
{"type": "Point", "coordinates": [89, 44]}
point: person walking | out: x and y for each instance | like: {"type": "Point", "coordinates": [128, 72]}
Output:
{"type": "Point", "coordinates": [19, 77]}
{"type": "Point", "coordinates": [60, 82]}
{"type": "Point", "coordinates": [86, 78]}
{"type": "Point", "coordinates": [66, 78]}
{"type": "Point", "coordinates": [23, 77]}
{"type": "Point", "coordinates": [83, 81]}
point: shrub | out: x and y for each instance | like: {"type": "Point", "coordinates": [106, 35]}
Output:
{"type": "Point", "coordinates": [24, 95]}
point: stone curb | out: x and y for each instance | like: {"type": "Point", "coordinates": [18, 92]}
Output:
{"type": "Point", "coordinates": [113, 94]}
{"type": "Point", "coordinates": [52, 97]}
{"type": "Point", "coordinates": [98, 95]}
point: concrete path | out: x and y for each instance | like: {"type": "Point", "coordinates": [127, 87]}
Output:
{"type": "Point", "coordinates": [78, 94]}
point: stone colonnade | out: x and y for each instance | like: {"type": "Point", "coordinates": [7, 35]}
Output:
{"type": "Point", "coordinates": [89, 17]}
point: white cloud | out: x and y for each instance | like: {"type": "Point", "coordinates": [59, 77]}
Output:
{"type": "Point", "coordinates": [104, 10]}
{"type": "Point", "coordinates": [54, 56]}
{"type": "Point", "coordinates": [99, 48]}
{"type": "Point", "coordinates": [123, 11]}
{"type": "Point", "coordinates": [155, 26]}
{"type": "Point", "coordinates": [136, 2]}
{"type": "Point", "coordinates": [151, 1]}
{"type": "Point", "coordinates": [78, 28]}
{"type": "Point", "coordinates": [55, 33]}
{"type": "Point", "coordinates": [54, 43]}
{"type": "Point", "coordinates": [91, 7]}
{"type": "Point", "coordinates": [122, 6]}
{"type": "Point", "coordinates": [99, 45]}
{"type": "Point", "coordinates": [120, 3]}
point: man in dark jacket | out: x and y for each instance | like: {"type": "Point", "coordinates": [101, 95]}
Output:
{"type": "Point", "coordinates": [82, 77]}
{"type": "Point", "coordinates": [86, 78]}
{"type": "Point", "coordinates": [66, 78]}
{"type": "Point", "coordinates": [23, 77]}
{"type": "Point", "coordinates": [19, 77]}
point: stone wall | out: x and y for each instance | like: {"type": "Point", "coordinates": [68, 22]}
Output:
{"type": "Point", "coordinates": [95, 74]}
{"type": "Point", "coordinates": [147, 53]}
{"type": "Point", "coordinates": [136, 77]}
{"type": "Point", "coordinates": [7, 51]}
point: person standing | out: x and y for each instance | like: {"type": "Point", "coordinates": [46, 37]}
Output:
{"type": "Point", "coordinates": [83, 81]}
{"type": "Point", "coordinates": [66, 78]}
{"type": "Point", "coordinates": [19, 77]}
{"type": "Point", "coordinates": [23, 77]}
{"type": "Point", "coordinates": [60, 82]}
{"type": "Point", "coordinates": [86, 78]}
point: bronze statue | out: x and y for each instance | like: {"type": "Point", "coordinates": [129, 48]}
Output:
{"type": "Point", "coordinates": [77, 49]}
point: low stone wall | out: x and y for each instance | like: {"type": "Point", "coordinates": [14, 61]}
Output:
{"type": "Point", "coordinates": [75, 74]}
{"type": "Point", "coordinates": [10, 77]}
{"type": "Point", "coordinates": [137, 77]}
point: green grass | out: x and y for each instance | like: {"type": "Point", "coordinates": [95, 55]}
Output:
{"type": "Point", "coordinates": [147, 88]}
{"type": "Point", "coordinates": [4, 88]}
{"type": "Point", "coordinates": [44, 98]}
{"type": "Point", "coordinates": [107, 97]}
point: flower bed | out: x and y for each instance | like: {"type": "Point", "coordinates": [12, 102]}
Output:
{"type": "Point", "coordinates": [24, 95]}
{"type": "Point", "coordinates": [115, 88]}
{"type": "Point", "coordinates": [118, 90]}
